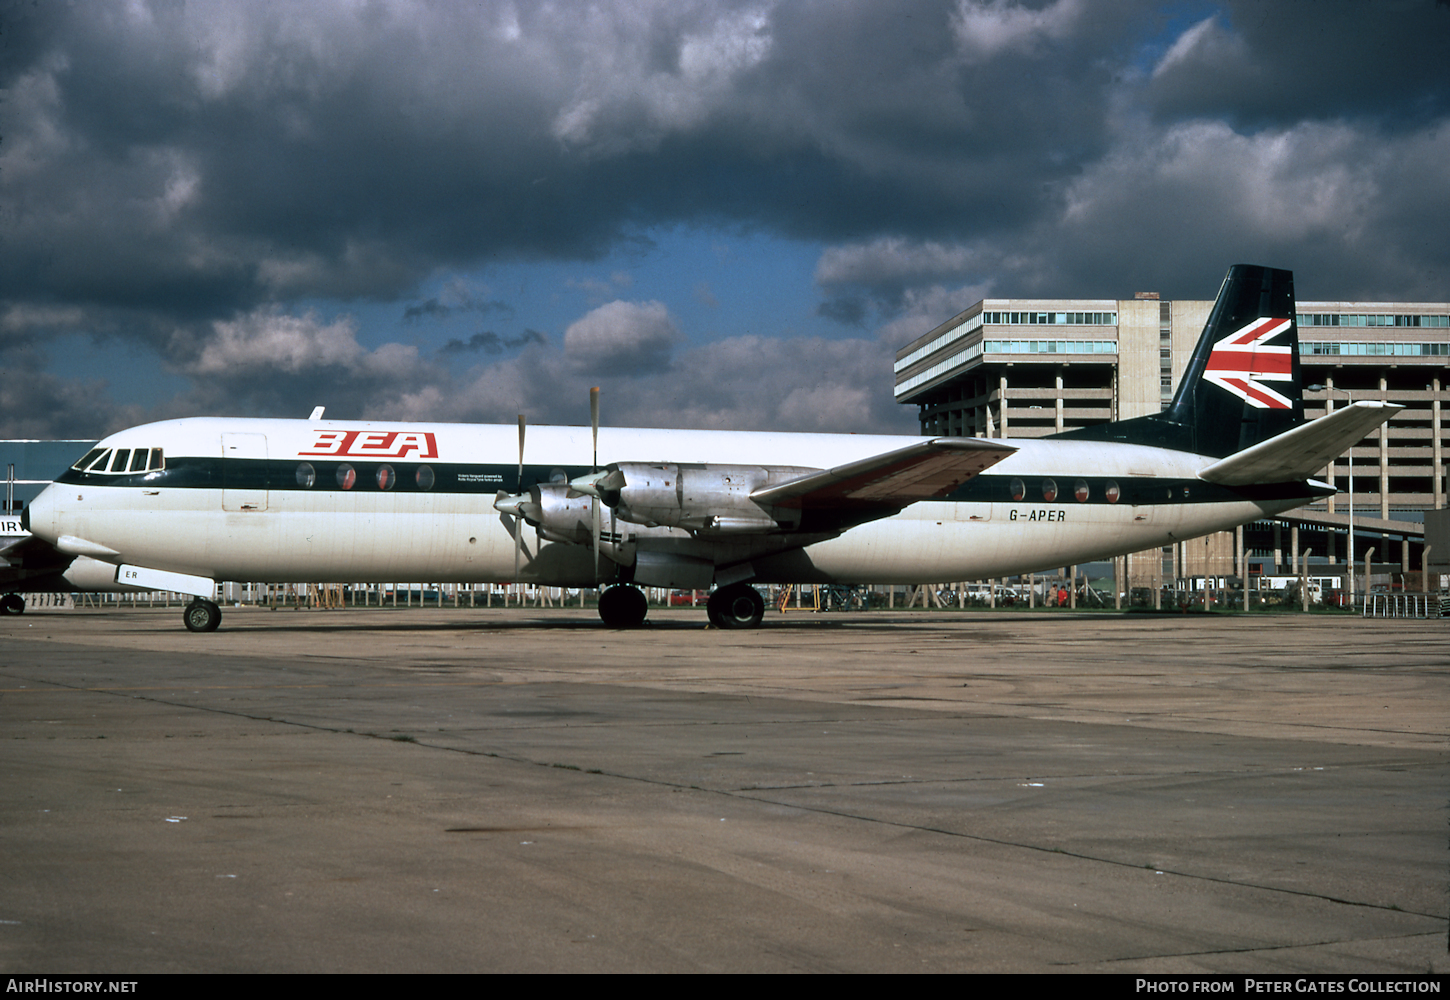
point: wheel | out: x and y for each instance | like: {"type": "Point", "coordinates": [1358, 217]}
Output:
{"type": "Point", "coordinates": [736, 606]}
{"type": "Point", "coordinates": [201, 616]}
{"type": "Point", "coordinates": [12, 604]}
{"type": "Point", "coordinates": [623, 606]}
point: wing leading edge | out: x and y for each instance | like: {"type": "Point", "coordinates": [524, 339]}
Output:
{"type": "Point", "coordinates": [923, 471]}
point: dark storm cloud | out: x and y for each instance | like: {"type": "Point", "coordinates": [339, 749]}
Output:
{"type": "Point", "coordinates": [491, 343]}
{"type": "Point", "coordinates": [1260, 65]}
{"type": "Point", "coordinates": [849, 310]}
{"type": "Point", "coordinates": [198, 159]}
{"type": "Point", "coordinates": [195, 176]}
{"type": "Point", "coordinates": [437, 309]}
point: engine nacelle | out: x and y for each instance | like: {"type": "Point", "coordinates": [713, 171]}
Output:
{"type": "Point", "coordinates": [558, 516]}
{"type": "Point", "coordinates": [705, 498]}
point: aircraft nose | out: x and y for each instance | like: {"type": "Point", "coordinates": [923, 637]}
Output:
{"type": "Point", "coordinates": [39, 517]}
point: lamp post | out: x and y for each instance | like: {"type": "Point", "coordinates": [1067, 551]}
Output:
{"type": "Point", "coordinates": [1349, 560]}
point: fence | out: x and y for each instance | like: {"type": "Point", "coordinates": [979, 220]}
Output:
{"type": "Point", "coordinates": [1406, 606]}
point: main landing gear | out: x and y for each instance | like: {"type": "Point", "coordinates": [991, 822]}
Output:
{"type": "Point", "coordinates": [12, 604]}
{"type": "Point", "coordinates": [201, 616]}
{"type": "Point", "coordinates": [623, 606]}
{"type": "Point", "coordinates": [736, 606]}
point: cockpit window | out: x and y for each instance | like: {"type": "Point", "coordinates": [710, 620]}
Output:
{"type": "Point", "coordinates": [121, 460]}
{"type": "Point", "coordinates": [90, 457]}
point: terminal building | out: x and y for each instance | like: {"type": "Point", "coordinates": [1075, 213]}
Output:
{"type": "Point", "coordinates": [1014, 368]}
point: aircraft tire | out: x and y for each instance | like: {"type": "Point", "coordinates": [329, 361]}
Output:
{"type": "Point", "coordinates": [12, 604]}
{"type": "Point", "coordinates": [623, 606]}
{"type": "Point", "coordinates": [201, 616]}
{"type": "Point", "coordinates": [736, 606]}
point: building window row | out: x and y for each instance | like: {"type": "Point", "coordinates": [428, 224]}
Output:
{"type": "Point", "coordinates": [1372, 319]}
{"type": "Point", "coordinates": [1313, 347]}
{"type": "Point", "coordinates": [1051, 318]}
{"type": "Point", "coordinates": [945, 340]}
{"type": "Point", "coordinates": [906, 385]}
{"type": "Point", "coordinates": [1050, 347]}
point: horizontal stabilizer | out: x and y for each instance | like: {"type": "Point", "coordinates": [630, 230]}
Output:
{"type": "Point", "coordinates": [1302, 451]}
{"type": "Point", "coordinates": [897, 478]}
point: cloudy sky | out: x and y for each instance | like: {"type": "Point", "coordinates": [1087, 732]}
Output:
{"type": "Point", "coordinates": [725, 214]}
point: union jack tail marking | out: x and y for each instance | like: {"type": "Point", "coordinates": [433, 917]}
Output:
{"type": "Point", "coordinates": [1243, 361]}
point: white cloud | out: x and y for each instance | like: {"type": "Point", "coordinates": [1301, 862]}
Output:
{"type": "Point", "coordinates": [763, 383]}
{"type": "Point", "coordinates": [620, 80]}
{"type": "Point", "coordinates": [269, 339]}
{"type": "Point", "coordinates": [893, 260]}
{"type": "Point", "coordinates": [23, 319]}
{"type": "Point", "coordinates": [622, 337]}
{"type": "Point", "coordinates": [1302, 183]}
{"type": "Point", "coordinates": [984, 29]}
{"type": "Point", "coordinates": [927, 308]}
{"type": "Point", "coordinates": [1205, 42]}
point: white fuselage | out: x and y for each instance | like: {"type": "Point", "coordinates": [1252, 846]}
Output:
{"type": "Point", "coordinates": [450, 531]}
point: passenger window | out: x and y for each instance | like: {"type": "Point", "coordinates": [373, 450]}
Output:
{"type": "Point", "coordinates": [306, 475]}
{"type": "Point", "coordinates": [1049, 490]}
{"type": "Point", "coordinates": [386, 478]}
{"type": "Point", "coordinates": [346, 476]}
{"type": "Point", "coordinates": [424, 478]}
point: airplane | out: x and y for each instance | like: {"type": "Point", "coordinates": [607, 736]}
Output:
{"type": "Point", "coordinates": [180, 504]}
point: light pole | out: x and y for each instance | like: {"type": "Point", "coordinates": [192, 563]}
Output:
{"type": "Point", "coordinates": [1349, 562]}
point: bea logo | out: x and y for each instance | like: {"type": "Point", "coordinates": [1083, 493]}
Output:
{"type": "Point", "coordinates": [374, 444]}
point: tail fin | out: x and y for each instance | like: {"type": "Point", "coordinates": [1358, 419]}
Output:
{"type": "Point", "coordinates": [1242, 385]}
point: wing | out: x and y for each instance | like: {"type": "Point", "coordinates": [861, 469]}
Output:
{"type": "Point", "coordinates": [891, 481]}
{"type": "Point", "coordinates": [28, 558]}
{"type": "Point", "coordinates": [785, 502]}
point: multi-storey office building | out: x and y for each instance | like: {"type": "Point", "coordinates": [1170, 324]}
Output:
{"type": "Point", "coordinates": [1009, 368]}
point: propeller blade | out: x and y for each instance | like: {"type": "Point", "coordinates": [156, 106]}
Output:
{"type": "Point", "coordinates": [594, 422]}
{"type": "Point", "coordinates": [519, 485]}
{"type": "Point", "coordinates": [518, 524]}
{"type": "Point", "coordinates": [594, 504]}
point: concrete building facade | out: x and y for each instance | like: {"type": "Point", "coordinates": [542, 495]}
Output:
{"type": "Point", "coordinates": [1007, 368]}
